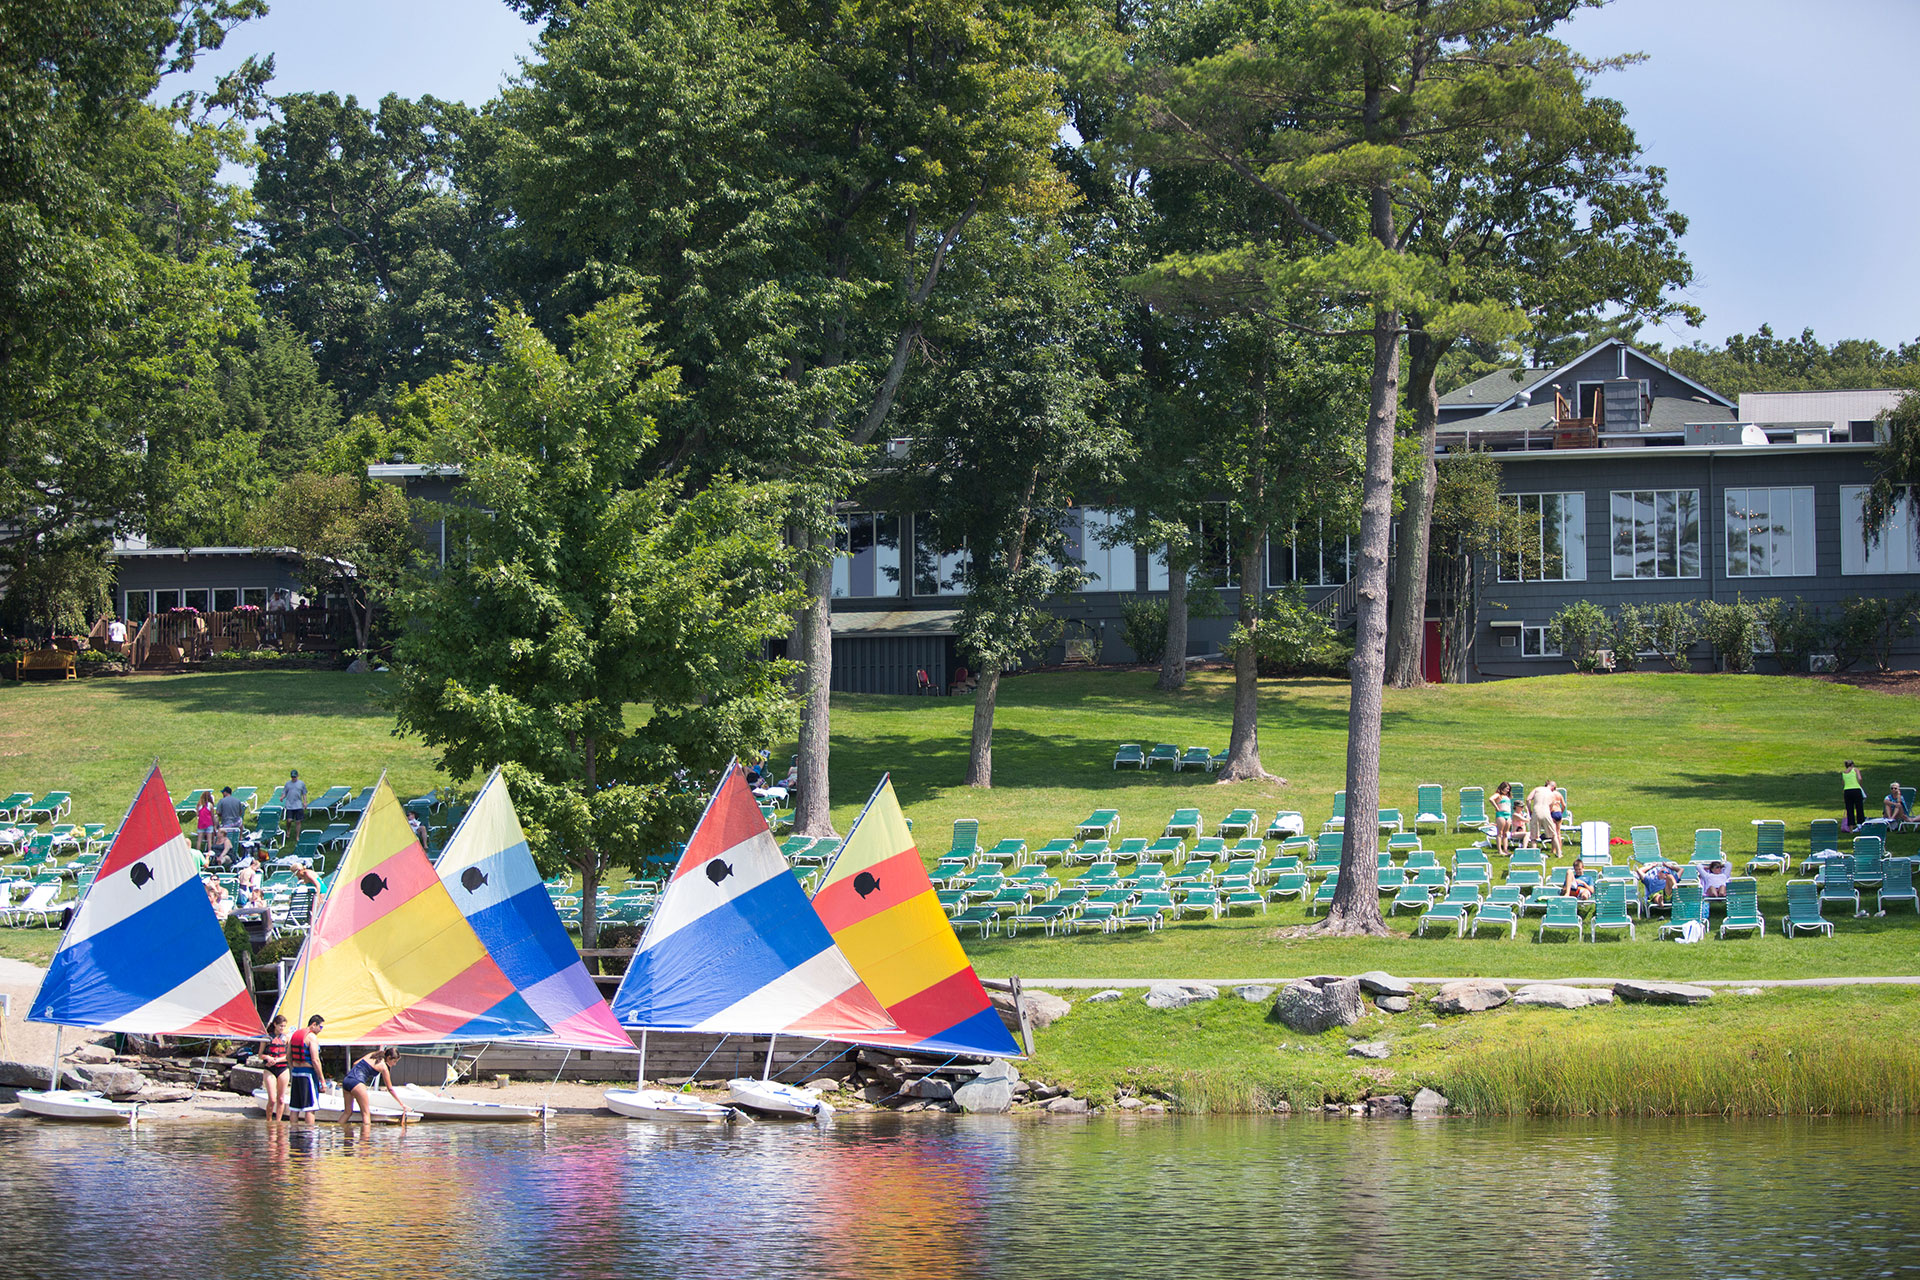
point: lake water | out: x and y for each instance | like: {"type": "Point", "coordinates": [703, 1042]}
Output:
{"type": "Point", "coordinates": [1024, 1198]}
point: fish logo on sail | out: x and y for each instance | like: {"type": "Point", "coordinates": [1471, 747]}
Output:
{"type": "Point", "coordinates": [472, 878]}
{"type": "Point", "coordinates": [718, 871]}
{"type": "Point", "coordinates": [371, 885]}
{"type": "Point", "coordinates": [866, 884]}
{"type": "Point", "coordinates": [140, 875]}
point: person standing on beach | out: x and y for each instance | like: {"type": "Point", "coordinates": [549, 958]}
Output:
{"type": "Point", "coordinates": [293, 802]}
{"type": "Point", "coordinates": [1853, 792]}
{"type": "Point", "coordinates": [274, 1068]}
{"type": "Point", "coordinates": [307, 1080]}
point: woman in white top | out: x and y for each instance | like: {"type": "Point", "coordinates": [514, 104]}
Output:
{"type": "Point", "coordinates": [1713, 880]}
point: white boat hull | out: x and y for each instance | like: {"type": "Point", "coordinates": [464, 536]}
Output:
{"type": "Point", "coordinates": [658, 1104]}
{"type": "Point", "coordinates": [76, 1104]}
{"type": "Point", "coordinates": [333, 1106]}
{"type": "Point", "coordinates": [771, 1098]}
{"type": "Point", "coordinates": [428, 1103]}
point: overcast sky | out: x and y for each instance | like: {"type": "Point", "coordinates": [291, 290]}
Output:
{"type": "Point", "coordinates": [1787, 130]}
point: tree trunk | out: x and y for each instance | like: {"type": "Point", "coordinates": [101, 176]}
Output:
{"type": "Point", "coordinates": [1173, 662]}
{"type": "Point", "coordinates": [811, 815]}
{"type": "Point", "coordinates": [1356, 901]}
{"type": "Point", "coordinates": [980, 752]}
{"type": "Point", "coordinates": [1408, 600]}
{"type": "Point", "coordinates": [1243, 747]}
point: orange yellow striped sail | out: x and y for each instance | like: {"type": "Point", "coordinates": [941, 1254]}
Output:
{"type": "Point", "coordinates": [390, 959]}
{"type": "Point", "coordinates": [880, 908]}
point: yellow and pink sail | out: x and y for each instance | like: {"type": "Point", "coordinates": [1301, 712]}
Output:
{"type": "Point", "coordinates": [884, 916]}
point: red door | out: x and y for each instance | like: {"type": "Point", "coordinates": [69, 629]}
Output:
{"type": "Point", "coordinates": [1430, 651]}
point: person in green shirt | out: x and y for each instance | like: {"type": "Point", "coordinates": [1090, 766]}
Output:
{"type": "Point", "coordinates": [1854, 793]}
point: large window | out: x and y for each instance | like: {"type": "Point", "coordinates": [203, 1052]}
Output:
{"type": "Point", "coordinates": [197, 598]}
{"type": "Point", "coordinates": [139, 605]}
{"type": "Point", "coordinates": [1769, 533]}
{"type": "Point", "coordinates": [1656, 533]}
{"type": "Point", "coordinates": [1896, 551]}
{"type": "Point", "coordinates": [935, 572]}
{"type": "Point", "coordinates": [1553, 538]}
{"type": "Point", "coordinates": [1109, 568]}
{"type": "Point", "coordinates": [1536, 643]}
{"type": "Point", "coordinates": [1314, 556]}
{"type": "Point", "coordinates": [1217, 562]}
{"type": "Point", "coordinates": [869, 559]}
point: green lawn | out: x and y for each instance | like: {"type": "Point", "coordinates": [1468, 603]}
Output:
{"type": "Point", "coordinates": [1677, 751]}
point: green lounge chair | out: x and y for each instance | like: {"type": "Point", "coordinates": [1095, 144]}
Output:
{"type": "Point", "coordinates": [1094, 914]}
{"type": "Point", "coordinates": [356, 806]}
{"type": "Point", "coordinates": [1201, 900]}
{"type": "Point", "coordinates": [1011, 897]}
{"type": "Point", "coordinates": [1129, 756]}
{"type": "Point", "coordinates": [1286, 822]}
{"type": "Point", "coordinates": [1101, 824]}
{"type": "Point", "coordinates": [1036, 874]}
{"type": "Point", "coordinates": [1164, 753]}
{"type": "Point", "coordinates": [1869, 858]}
{"type": "Point", "coordinates": [1410, 897]}
{"type": "Point", "coordinates": [1562, 913]}
{"type": "Point", "coordinates": [1239, 823]}
{"type": "Point", "coordinates": [1473, 856]}
{"type": "Point", "coordinates": [1803, 909]}
{"type": "Point", "coordinates": [1403, 842]}
{"type": "Point", "coordinates": [1046, 915]}
{"type": "Point", "coordinates": [1326, 853]}
{"type": "Point", "coordinates": [1194, 758]}
{"type": "Point", "coordinates": [952, 901]}
{"type": "Point", "coordinates": [53, 806]}
{"type": "Point", "coordinates": [1323, 896]}
{"type": "Point", "coordinates": [1134, 848]}
{"type": "Point", "coordinates": [1279, 864]}
{"type": "Point", "coordinates": [1610, 910]}
{"type": "Point", "coordinates": [1528, 860]}
{"type": "Point", "coordinates": [1247, 897]}
{"type": "Point", "coordinates": [1184, 822]}
{"type": "Point", "coordinates": [1390, 819]}
{"type": "Point", "coordinates": [1148, 875]}
{"type": "Point", "coordinates": [1392, 879]}
{"type": "Point", "coordinates": [1054, 851]}
{"type": "Point", "coordinates": [1688, 905]}
{"type": "Point", "coordinates": [948, 870]}
{"type": "Point", "coordinates": [1836, 885]}
{"type": "Point", "coordinates": [1429, 809]}
{"type": "Point", "coordinates": [1770, 847]}
{"type": "Point", "coordinates": [1090, 851]}
{"type": "Point", "coordinates": [1480, 877]}
{"type": "Point", "coordinates": [1197, 871]}
{"type": "Point", "coordinates": [1473, 809]}
{"type": "Point", "coordinates": [1646, 845]}
{"type": "Point", "coordinates": [329, 800]}
{"type": "Point", "coordinates": [1249, 847]}
{"type": "Point", "coordinates": [1823, 837]}
{"type": "Point", "coordinates": [1434, 878]}
{"type": "Point", "coordinates": [1706, 845]}
{"type": "Point", "coordinates": [1897, 886]}
{"type": "Point", "coordinates": [966, 839]}
{"type": "Point", "coordinates": [1452, 909]}
{"type": "Point", "coordinates": [1339, 818]}
{"type": "Point", "coordinates": [985, 917]}
{"type": "Point", "coordinates": [1501, 910]}
{"type": "Point", "coordinates": [1288, 884]}
{"type": "Point", "coordinates": [1167, 848]}
{"type": "Point", "coordinates": [1247, 869]}
{"type": "Point", "coordinates": [11, 806]}
{"type": "Point", "coordinates": [1421, 859]}
{"type": "Point", "coordinates": [1743, 907]}
{"type": "Point", "coordinates": [189, 804]}
{"type": "Point", "coordinates": [1210, 847]}
{"type": "Point", "coordinates": [1011, 851]}
{"type": "Point", "coordinates": [1140, 913]}
{"type": "Point", "coordinates": [798, 844]}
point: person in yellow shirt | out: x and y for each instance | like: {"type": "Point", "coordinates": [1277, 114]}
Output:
{"type": "Point", "coordinates": [1854, 793]}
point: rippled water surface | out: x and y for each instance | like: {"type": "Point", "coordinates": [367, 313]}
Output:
{"type": "Point", "coordinates": [966, 1196]}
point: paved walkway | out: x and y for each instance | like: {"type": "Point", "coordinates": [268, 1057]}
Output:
{"type": "Point", "coordinates": [1061, 984]}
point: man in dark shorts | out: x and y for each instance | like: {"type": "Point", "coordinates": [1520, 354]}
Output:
{"type": "Point", "coordinates": [293, 802]}
{"type": "Point", "coordinates": [303, 1058]}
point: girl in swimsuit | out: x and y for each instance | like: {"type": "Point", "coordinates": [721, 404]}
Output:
{"type": "Point", "coordinates": [1503, 814]}
{"type": "Point", "coordinates": [358, 1083]}
{"type": "Point", "coordinates": [275, 1068]}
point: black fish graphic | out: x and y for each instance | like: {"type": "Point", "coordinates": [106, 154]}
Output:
{"type": "Point", "coordinates": [371, 885]}
{"type": "Point", "coordinates": [864, 884]}
{"type": "Point", "coordinates": [718, 871]}
{"type": "Point", "coordinates": [140, 875]}
{"type": "Point", "coordinates": [472, 878]}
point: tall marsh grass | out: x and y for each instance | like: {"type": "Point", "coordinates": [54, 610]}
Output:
{"type": "Point", "coordinates": [1618, 1071]}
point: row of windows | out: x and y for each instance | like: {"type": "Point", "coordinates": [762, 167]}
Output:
{"type": "Point", "coordinates": [206, 599]}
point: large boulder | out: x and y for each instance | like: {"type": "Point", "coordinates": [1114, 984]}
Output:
{"type": "Point", "coordinates": [1313, 1005]}
{"type": "Point", "coordinates": [115, 1082]}
{"type": "Point", "coordinates": [163, 1093]}
{"type": "Point", "coordinates": [985, 1095]}
{"type": "Point", "coordinates": [1370, 1049]}
{"type": "Point", "coordinates": [1105, 997]}
{"type": "Point", "coordinates": [1067, 1107]}
{"type": "Point", "coordinates": [23, 1075]}
{"type": "Point", "coordinates": [1178, 995]}
{"type": "Point", "coordinates": [1551, 995]}
{"type": "Point", "coordinates": [1662, 993]}
{"type": "Point", "coordinates": [1470, 995]}
{"type": "Point", "coordinates": [1253, 993]}
{"type": "Point", "coordinates": [1393, 1004]}
{"type": "Point", "coordinates": [930, 1087]}
{"type": "Point", "coordinates": [1043, 1009]}
{"type": "Point", "coordinates": [244, 1080]}
{"type": "Point", "coordinates": [1429, 1103]}
{"type": "Point", "coordinates": [1376, 983]}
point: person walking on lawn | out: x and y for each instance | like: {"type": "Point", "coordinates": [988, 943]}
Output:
{"type": "Point", "coordinates": [1853, 792]}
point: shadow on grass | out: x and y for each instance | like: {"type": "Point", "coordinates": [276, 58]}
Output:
{"type": "Point", "coordinates": [258, 693]}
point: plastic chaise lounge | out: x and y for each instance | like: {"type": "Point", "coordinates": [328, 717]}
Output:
{"type": "Point", "coordinates": [1194, 758]}
{"type": "Point", "coordinates": [1803, 909]}
{"type": "Point", "coordinates": [1743, 907]}
{"type": "Point", "coordinates": [1500, 910]}
{"type": "Point", "coordinates": [1130, 756]}
{"type": "Point", "coordinates": [1610, 910]}
{"type": "Point", "coordinates": [1430, 807]}
{"type": "Point", "coordinates": [1836, 885]}
{"type": "Point", "coordinates": [1562, 913]}
{"type": "Point", "coordinates": [1897, 887]}
{"type": "Point", "coordinates": [1164, 753]}
{"type": "Point", "coordinates": [1101, 824]}
{"type": "Point", "coordinates": [1688, 907]}
{"type": "Point", "coordinates": [1238, 824]}
{"type": "Point", "coordinates": [1185, 822]}
{"type": "Point", "coordinates": [1473, 809]}
{"type": "Point", "coordinates": [1453, 909]}
{"type": "Point", "coordinates": [1770, 846]}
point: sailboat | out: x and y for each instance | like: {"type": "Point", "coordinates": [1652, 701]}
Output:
{"type": "Point", "coordinates": [143, 955]}
{"type": "Point", "coordinates": [391, 960]}
{"type": "Point", "coordinates": [488, 871]}
{"type": "Point", "coordinates": [881, 909]}
{"type": "Point", "coordinates": [733, 947]}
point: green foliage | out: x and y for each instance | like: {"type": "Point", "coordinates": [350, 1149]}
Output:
{"type": "Point", "coordinates": [578, 595]}
{"type": "Point", "coordinates": [1896, 467]}
{"type": "Point", "coordinates": [1673, 626]}
{"type": "Point", "coordinates": [1733, 628]}
{"type": "Point", "coordinates": [1631, 634]}
{"type": "Point", "coordinates": [64, 589]}
{"type": "Point", "coordinates": [1763, 362]}
{"type": "Point", "coordinates": [1143, 626]}
{"type": "Point", "coordinates": [1470, 523]}
{"type": "Point", "coordinates": [1868, 627]}
{"type": "Point", "coordinates": [1577, 630]}
{"type": "Point", "coordinates": [1294, 640]}
{"type": "Point", "coordinates": [355, 538]}
{"type": "Point", "coordinates": [1797, 630]}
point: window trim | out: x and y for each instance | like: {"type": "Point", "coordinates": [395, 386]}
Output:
{"type": "Point", "coordinates": [1586, 562]}
{"type": "Point", "coordinates": [1792, 534]}
{"type": "Point", "coordinates": [1679, 548]}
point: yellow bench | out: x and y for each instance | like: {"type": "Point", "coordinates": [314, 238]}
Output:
{"type": "Point", "coordinates": [55, 662]}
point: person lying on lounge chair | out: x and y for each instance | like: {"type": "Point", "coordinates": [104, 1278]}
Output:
{"type": "Point", "coordinates": [1573, 886]}
{"type": "Point", "coordinates": [1658, 879]}
{"type": "Point", "coordinates": [1713, 879]}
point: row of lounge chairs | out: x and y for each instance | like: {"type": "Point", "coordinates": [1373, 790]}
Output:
{"type": "Point", "coordinates": [1132, 755]}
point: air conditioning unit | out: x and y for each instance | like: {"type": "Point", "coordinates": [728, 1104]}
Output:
{"type": "Point", "coordinates": [1603, 659]}
{"type": "Point", "coordinates": [898, 448]}
{"type": "Point", "coordinates": [1818, 662]}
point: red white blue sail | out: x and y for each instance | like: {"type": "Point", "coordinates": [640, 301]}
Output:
{"type": "Point", "coordinates": [144, 953]}
{"type": "Point", "coordinates": [735, 946]}
{"type": "Point", "coordinates": [490, 873]}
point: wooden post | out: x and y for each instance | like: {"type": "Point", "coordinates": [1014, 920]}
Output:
{"type": "Point", "coordinates": [1020, 1011]}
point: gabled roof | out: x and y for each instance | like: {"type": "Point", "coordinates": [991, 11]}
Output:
{"type": "Point", "coordinates": [1530, 380]}
{"type": "Point", "coordinates": [1669, 413]}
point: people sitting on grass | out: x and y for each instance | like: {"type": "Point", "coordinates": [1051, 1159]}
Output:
{"type": "Point", "coordinates": [1658, 880]}
{"type": "Point", "coordinates": [1713, 879]}
{"type": "Point", "coordinates": [1894, 807]}
{"type": "Point", "coordinates": [1575, 884]}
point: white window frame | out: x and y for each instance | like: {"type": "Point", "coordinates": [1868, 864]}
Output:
{"type": "Point", "coordinates": [1791, 541]}
{"type": "Point", "coordinates": [1573, 537]}
{"type": "Point", "coordinates": [1631, 498]}
{"type": "Point", "coordinates": [1536, 635]}
{"type": "Point", "coordinates": [126, 604]}
{"type": "Point", "coordinates": [884, 557]}
{"type": "Point", "coordinates": [1109, 568]}
{"type": "Point", "coordinates": [1895, 553]}
{"type": "Point", "coordinates": [1291, 550]}
{"type": "Point", "coordinates": [945, 566]}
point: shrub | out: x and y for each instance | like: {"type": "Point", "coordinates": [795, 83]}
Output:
{"type": "Point", "coordinates": [1797, 630]}
{"type": "Point", "coordinates": [1869, 626]}
{"type": "Point", "coordinates": [1673, 626]}
{"type": "Point", "coordinates": [1577, 630]}
{"type": "Point", "coordinates": [1733, 629]}
{"type": "Point", "coordinates": [1143, 627]}
{"type": "Point", "coordinates": [1632, 634]}
{"type": "Point", "coordinates": [1295, 640]}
